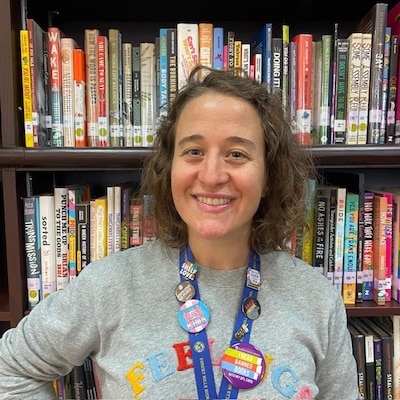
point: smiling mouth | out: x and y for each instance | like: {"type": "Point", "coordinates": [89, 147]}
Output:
{"type": "Point", "coordinates": [212, 201]}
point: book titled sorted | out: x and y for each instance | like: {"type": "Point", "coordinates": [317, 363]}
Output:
{"type": "Point", "coordinates": [32, 249]}
{"type": "Point", "coordinates": [187, 49]}
{"type": "Point", "coordinates": [48, 244]}
{"type": "Point", "coordinates": [82, 211]}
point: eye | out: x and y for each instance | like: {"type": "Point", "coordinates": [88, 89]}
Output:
{"type": "Point", "coordinates": [237, 154]}
{"type": "Point", "coordinates": [193, 152]}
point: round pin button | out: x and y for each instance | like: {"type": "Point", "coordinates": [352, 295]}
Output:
{"type": "Point", "coordinates": [184, 291]}
{"type": "Point", "coordinates": [193, 316]}
{"type": "Point", "coordinates": [251, 308]}
{"type": "Point", "coordinates": [243, 365]}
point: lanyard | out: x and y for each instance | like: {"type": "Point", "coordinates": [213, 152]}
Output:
{"type": "Point", "coordinates": [201, 355]}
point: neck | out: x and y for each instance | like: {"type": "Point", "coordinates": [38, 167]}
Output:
{"type": "Point", "coordinates": [215, 255]}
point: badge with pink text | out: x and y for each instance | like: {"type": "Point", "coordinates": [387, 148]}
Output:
{"type": "Point", "coordinates": [243, 365]}
{"type": "Point", "coordinates": [193, 316]}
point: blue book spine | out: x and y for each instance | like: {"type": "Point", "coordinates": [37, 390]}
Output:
{"type": "Point", "coordinates": [262, 44]}
{"type": "Point", "coordinates": [163, 99]}
{"type": "Point", "coordinates": [218, 41]}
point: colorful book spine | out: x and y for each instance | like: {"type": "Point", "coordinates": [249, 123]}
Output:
{"type": "Point", "coordinates": [206, 36]}
{"type": "Point", "coordinates": [304, 88]}
{"type": "Point", "coordinates": [100, 227]}
{"type": "Point", "coordinates": [110, 219]}
{"type": "Point", "coordinates": [114, 37]}
{"type": "Point", "coordinates": [230, 47]}
{"type": "Point", "coordinates": [292, 85]}
{"type": "Point", "coordinates": [80, 101]}
{"type": "Point", "coordinates": [368, 249]}
{"type": "Point", "coordinates": [148, 92]}
{"type": "Point", "coordinates": [61, 232]}
{"type": "Point", "coordinates": [32, 249]}
{"type": "Point", "coordinates": [56, 86]}
{"type": "Point", "coordinates": [92, 90]}
{"type": "Point", "coordinates": [218, 47]}
{"type": "Point", "coordinates": [67, 46]}
{"type": "Point", "coordinates": [350, 248]}
{"type": "Point", "coordinates": [163, 98]}
{"type": "Point", "coordinates": [262, 44]}
{"type": "Point", "coordinates": [353, 87]}
{"type": "Point", "coordinates": [26, 88]}
{"type": "Point", "coordinates": [246, 60]}
{"type": "Point", "coordinates": [365, 73]}
{"type": "Point", "coordinates": [47, 89]}
{"type": "Point", "coordinates": [277, 66]}
{"type": "Point", "coordinates": [149, 227]}
{"type": "Point", "coordinates": [117, 218]}
{"type": "Point", "coordinates": [126, 194]}
{"type": "Point", "coordinates": [339, 237]}
{"type": "Point", "coordinates": [285, 65]}
{"type": "Point", "coordinates": [331, 240]}
{"type": "Point", "coordinates": [237, 58]}
{"type": "Point", "coordinates": [48, 245]}
{"type": "Point", "coordinates": [136, 221]}
{"type": "Point", "coordinates": [103, 91]}
{"type": "Point", "coordinates": [137, 124]}
{"type": "Point", "coordinates": [379, 246]}
{"type": "Point", "coordinates": [187, 50]}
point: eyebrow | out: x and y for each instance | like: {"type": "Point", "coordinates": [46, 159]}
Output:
{"type": "Point", "coordinates": [232, 139]}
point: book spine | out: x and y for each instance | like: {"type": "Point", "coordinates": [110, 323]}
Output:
{"type": "Point", "coordinates": [61, 232]}
{"type": "Point", "coordinates": [350, 249]}
{"type": "Point", "coordinates": [67, 46]}
{"type": "Point", "coordinates": [92, 230]}
{"type": "Point", "coordinates": [101, 227]}
{"type": "Point", "coordinates": [285, 66]}
{"type": "Point", "coordinates": [379, 245]}
{"type": "Point", "coordinates": [340, 115]}
{"type": "Point", "coordinates": [92, 90]}
{"type": "Point", "coordinates": [48, 246]}
{"type": "Point", "coordinates": [127, 94]}
{"type": "Point", "coordinates": [206, 34]}
{"type": "Point", "coordinates": [148, 92]}
{"type": "Point", "coordinates": [230, 42]}
{"type": "Point", "coordinates": [308, 231]}
{"type": "Point", "coordinates": [304, 91]}
{"type": "Point", "coordinates": [187, 50]}
{"type": "Point", "coordinates": [292, 85]}
{"type": "Point", "coordinates": [368, 278]}
{"type": "Point", "coordinates": [117, 218]}
{"type": "Point", "coordinates": [246, 58]}
{"type": "Point", "coordinates": [332, 233]}
{"type": "Point", "coordinates": [26, 88]}
{"type": "Point", "coordinates": [172, 63]}
{"type": "Point", "coordinates": [339, 237]}
{"type": "Point", "coordinates": [137, 124]}
{"type": "Point", "coordinates": [385, 85]}
{"type": "Point", "coordinates": [353, 87]}
{"type": "Point", "coordinates": [32, 249]}
{"type": "Point", "coordinates": [125, 204]}
{"type": "Point", "coordinates": [47, 89]}
{"type": "Point", "coordinates": [56, 86]}
{"type": "Point", "coordinates": [163, 99]}
{"type": "Point", "coordinates": [277, 66]}
{"type": "Point", "coordinates": [237, 57]}
{"type": "Point", "coordinates": [218, 47]}
{"type": "Point", "coordinates": [80, 102]}
{"type": "Point", "coordinates": [325, 102]}
{"type": "Point", "coordinates": [149, 227]}
{"type": "Point", "coordinates": [37, 74]}
{"type": "Point", "coordinates": [82, 211]}
{"type": "Point", "coordinates": [103, 90]}
{"type": "Point", "coordinates": [376, 24]}
{"type": "Point", "coordinates": [110, 219]}
{"type": "Point", "coordinates": [364, 88]}
{"type": "Point", "coordinates": [392, 98]}
{"type": "Point", "coordinates": [72, 201]}
{"type": "Point", "coordinates": [136, 222]}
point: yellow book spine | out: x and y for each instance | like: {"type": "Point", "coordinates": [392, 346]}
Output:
{"type": "Point", "coordinates": [101, 218]}
{"type": "Point", "coordinates": [26, 87]}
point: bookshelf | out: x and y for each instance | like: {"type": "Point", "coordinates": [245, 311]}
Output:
{"type": "Point", "coordinates": [380, 163]}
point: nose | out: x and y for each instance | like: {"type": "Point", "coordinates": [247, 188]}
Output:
{"type": "Point", "coordinates": [213, 171]}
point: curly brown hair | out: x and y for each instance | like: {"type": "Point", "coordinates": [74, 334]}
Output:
{"type": "Point", "coordinates": [289, 164]}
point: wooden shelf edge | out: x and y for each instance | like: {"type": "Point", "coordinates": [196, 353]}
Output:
{"type": "Point", "coordinates": [371, 309]}
{"type": "Point", "coordinates": [110, 158]}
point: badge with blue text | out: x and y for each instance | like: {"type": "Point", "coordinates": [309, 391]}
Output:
{"type": "Point", "coordinates": [193, 316]}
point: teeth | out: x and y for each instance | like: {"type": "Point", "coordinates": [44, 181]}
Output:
{"type": "Point", "coordinates": [213, 201]}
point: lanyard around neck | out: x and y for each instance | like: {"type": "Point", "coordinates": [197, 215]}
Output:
{"type": "Point", "coordinates": [201, 355]}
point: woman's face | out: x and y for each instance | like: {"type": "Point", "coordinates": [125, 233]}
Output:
{"type": "Point", "coordinates": [218, 170]}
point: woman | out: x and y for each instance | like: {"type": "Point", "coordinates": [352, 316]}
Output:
{"type": "Point", "coordinates": [217, 307]}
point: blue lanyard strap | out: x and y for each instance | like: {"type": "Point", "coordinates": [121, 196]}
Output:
{"type": "Point", "coordinates": [201, 355]}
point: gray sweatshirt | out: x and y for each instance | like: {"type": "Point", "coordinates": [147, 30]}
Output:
{"type": "Point", "coordinates": [122, 312]}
